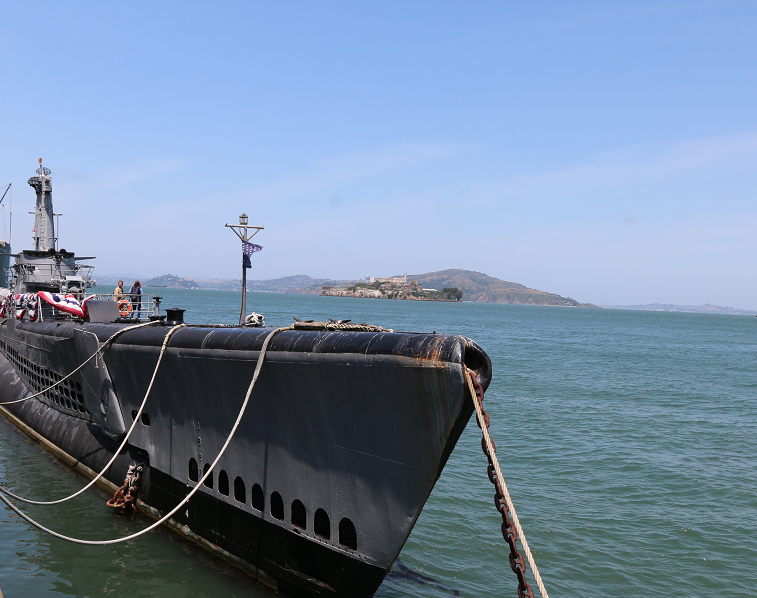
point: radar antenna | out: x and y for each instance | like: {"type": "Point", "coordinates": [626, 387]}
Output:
{"type": "Point", "coordinates": [41, 170]}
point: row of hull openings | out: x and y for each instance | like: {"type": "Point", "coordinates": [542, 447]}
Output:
{"type": "Point", "coordinates": [67, 394]}
{"type": "Point", "coordinates": [298, 512]}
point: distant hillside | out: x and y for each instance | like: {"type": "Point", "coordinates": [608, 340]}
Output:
{"type": "Point", "coordinates": [701, 309]}
{"type": "Point", "coordinates": [487, 289]}
{"type": "Point", "coordinates": [292, 284]}
{"type": "Point", "coordinates": [286, 284]}
{"type": "Point", "coordinates": [474, 285]}
{"type": "Point", "coordinates": [172, 282]}
{"type": "Point", "coordinates": [221, 284]}
{"type": "Point", "coordinates": [298, 283]}
{"type": "Point", "coordinates": [128, 278]}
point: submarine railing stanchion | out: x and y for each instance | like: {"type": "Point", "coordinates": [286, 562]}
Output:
{"type": "Point", "coordinates": [123, 442]}
{"type": "Point", "coordinates": [511, 528]}
{"type": "Point", "coordinates": [199, 484]}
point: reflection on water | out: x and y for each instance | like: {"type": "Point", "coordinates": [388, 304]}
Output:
{"type": "Point", "coordinates": [33, 562]}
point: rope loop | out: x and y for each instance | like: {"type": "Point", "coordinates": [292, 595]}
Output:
{"type": "Point", "coordinates": [163, 349]}
{"type": "Point", "coordinates": [85, 362]}
{"type": "Point", "coordinates": [198, 485]}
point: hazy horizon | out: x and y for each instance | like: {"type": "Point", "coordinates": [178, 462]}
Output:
{"type": "Point", "coordinates": [129, 277]}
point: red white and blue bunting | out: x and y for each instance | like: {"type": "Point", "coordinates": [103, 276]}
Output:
{"type": "Point", "coordinates": [65, 303]}
{"type": "Point", "coordinates": [28, 304]}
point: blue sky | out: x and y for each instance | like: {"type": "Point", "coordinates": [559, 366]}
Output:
{"type": "Point", "coordinates": [604, 151]}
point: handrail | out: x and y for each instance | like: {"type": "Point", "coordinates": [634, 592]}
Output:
{"type": "Point", "coordinates": [148, 305]}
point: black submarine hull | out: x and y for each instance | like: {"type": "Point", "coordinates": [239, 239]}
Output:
{"type": "Point", "coordinates": [339, 448]}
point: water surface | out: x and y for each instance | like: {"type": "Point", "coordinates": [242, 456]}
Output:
{"type": "Point", "coordinates": [627, 440]}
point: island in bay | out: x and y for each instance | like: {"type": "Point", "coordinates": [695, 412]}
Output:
{"type": "Point", "coordinates": [449, 285]}
{"type": "Point", "coordinates": [398, 287]}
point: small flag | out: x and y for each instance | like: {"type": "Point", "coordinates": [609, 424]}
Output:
{"type": "Point", "coordinates": [247, 250]}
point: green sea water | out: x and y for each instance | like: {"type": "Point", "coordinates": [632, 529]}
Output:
{"type": "Point", "coordinates": [628, 441]}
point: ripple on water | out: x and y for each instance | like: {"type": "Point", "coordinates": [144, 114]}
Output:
{"type": "Point", "coordinates": [628, 441]}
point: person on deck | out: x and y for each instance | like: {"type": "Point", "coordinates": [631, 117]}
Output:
{"type": "Point", "coordinates": [136, 299]}
{"type": "Point", "coordinates": [118, 293]}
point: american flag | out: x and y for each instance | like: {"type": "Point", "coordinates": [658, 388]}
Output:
{"type": "Point", "coordinates": [247, 250]}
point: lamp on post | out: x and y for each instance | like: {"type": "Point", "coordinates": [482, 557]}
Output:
{"type": "Point", "coordinates": [242, 230]}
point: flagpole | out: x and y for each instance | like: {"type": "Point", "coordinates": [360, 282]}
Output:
{"type": "Point", "coordinates": [241, 230]}
{"type": "Point", "coordinates": [243, 313]}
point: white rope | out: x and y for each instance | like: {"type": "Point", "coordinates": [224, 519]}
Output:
{"type": "Point", "coordinates": [90, 358]}
{"type": "Point", "coordinates": [123, 443]}
{"type": "Point", "coordinates": [199, 484]}
{"type": "Point", "coordinates": [340, 326]}
{"type": "Point", "coordinates": [503, 486]}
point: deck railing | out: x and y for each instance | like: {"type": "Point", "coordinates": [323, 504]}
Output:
{"type": "Point", "coordinates": [51, 274]}
{"type": "Point", "coordinates": [132, 307]}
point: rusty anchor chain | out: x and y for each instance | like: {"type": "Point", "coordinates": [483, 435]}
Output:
{"type": "Point", "coordinates": [511, 529]}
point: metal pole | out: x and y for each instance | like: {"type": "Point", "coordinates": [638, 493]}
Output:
{"type": "Point", "coordinates": [243, 313]}
{"type": "Point", "coordinates": [244, 236]}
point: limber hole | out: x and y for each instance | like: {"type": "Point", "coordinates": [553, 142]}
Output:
{"type": "Point", "coordinates": [322, 525]}
{"type": "Point", "coordinates": [347, 534]}
{"type": "Point", "coordinates": [239, 490]}
{"type": "Point", "coordinates": [277, 506]}
{"type": "Point", "coordinates": [223, 483]}
{"type": "Point", "coordinates": [209, 480]}
{"type": "Point", "coordinates": [193, 470]}
{"type": "Point", "coordinates": [257, 498]}
{"type": "Point", "coordinates": [299, 515]}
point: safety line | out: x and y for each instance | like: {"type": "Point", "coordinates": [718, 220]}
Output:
{"type": "Point", "coordinates": [123, 443]}
{"type": "Point", "coordinates": [199, 484]}
{"type": "Point", "coordinates": [90, 358]}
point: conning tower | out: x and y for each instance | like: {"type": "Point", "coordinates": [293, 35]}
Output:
{"type": "Point", "coordinates": [45, 268]}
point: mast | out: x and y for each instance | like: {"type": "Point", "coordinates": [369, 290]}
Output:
{"type": "Point", "coordinates": [44, 230]}
{"type": "Point", "coordinates": [44, 267]}
{"type": "Point", "coordinates": [6, 237]}
{"type": "Point", "coordinates": [242, 231]}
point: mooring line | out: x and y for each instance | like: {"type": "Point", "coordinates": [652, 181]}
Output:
{"type": "Point", "coordinates": [123, 443]}
{"type": "Point", "coordinates": [90, 358]}
{"type": "Point", "coordinates": [500, 482]}
{"type": "Point", "coordinates": [199, 484]}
